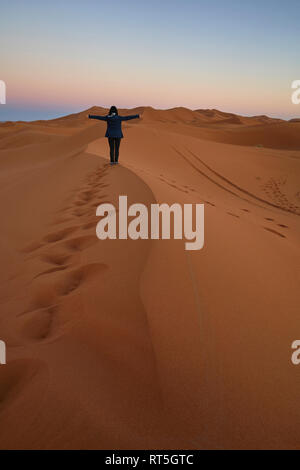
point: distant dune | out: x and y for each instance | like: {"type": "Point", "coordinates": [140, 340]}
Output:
{"type": "Point", "coordinates": [140, 344]}
{"type": "Point", "coordinates": [209, 124]}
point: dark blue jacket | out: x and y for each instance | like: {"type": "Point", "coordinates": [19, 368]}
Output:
{"type": "Point", "coordinates": [114, 123]}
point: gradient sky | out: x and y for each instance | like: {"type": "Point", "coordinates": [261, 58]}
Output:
{"type": "Point", "coordinates": [62, 56]}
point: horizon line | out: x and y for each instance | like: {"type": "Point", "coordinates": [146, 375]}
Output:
{"type": "Point", "coordinates": [156, 109]}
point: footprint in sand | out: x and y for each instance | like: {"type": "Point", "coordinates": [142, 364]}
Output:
{"type": "Point", "coordinates": [79, 212]}
{"type": "Point", "coordinates": [79, 203]}
{"type": "Point", "coordinates": [233, 215]}
{"type": "Point", "coordinates": [275, 232]}
{"type": "Point", "coordinates": [173, 184]}
{"type": "Point", "coordinates": [90, 225]}
{"type": "Point", "coordinates": [80, 243]}
{"type": "Point", "coordinates": [60, 235]}
{"type": "Point", "coordinates": [39, 325]}
{"type": "Point", "coordinates": [58, 260]}
{"type": "Point", "coordinates": [44, 296]}
{"type": "Point", "coordinates": [31, 247]}
{"type": "Point", "coordinates": [102, 197]}
{"type": "Point", "coordinates": [15, 377]}
{"type": "Point", "coordinates": [86, 195]}
{"type": "Point", "coordinates": [74, 279]}
{"type": "Point", "coordinates": [50, 271]}
{"type": "Point", "coordinates": [55, 258]}
{"type": "Point", "coordinates": [40, 317]}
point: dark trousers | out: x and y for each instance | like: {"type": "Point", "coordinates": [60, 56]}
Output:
{"type": "Point", "coordinates": [114, 145]}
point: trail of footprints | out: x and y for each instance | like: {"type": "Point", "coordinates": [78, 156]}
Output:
{"type": "Point", "coordinates": [273, 189]}
{"type": "Point", "coordinates": [282, 199]}
{"type": "Point", "coordinates": [60, 251]}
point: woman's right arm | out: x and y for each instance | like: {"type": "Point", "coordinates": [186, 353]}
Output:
{"type": "Point", "coordinates": [101, 118]}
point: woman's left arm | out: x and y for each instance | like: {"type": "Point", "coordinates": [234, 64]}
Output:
{"type": "Point", "coordinates": [127, 118]}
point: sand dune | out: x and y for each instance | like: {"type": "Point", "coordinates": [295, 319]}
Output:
{"type": "Point", "coordinates": [141, 344]}
{"type": "Point", "coordinates": [23, 138]}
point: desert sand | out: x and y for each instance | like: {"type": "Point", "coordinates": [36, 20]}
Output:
{"type": "Point", "coordinates": [123, 344]}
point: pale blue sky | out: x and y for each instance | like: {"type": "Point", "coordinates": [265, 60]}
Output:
{"type": "Point", "coordinates": [61, 56]}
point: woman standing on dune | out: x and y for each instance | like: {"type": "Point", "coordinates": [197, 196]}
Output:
{"type": "Point", "coordinates": [114, 131]}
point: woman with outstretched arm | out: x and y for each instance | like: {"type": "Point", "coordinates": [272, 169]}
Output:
{"type": "Point", "coordinates": [114, 131]}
